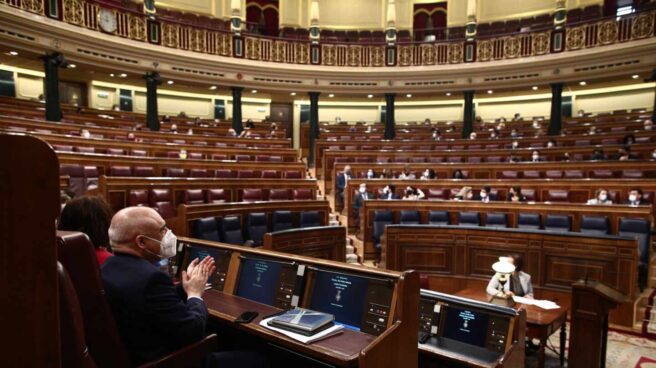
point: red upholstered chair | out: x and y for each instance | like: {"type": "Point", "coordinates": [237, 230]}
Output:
{"type": "Point", "coordinates": [120, 171]}
{"type": "Point", "coordinates": [302, 194]}
{"type": "Point", "coordinates": [223, 173]}
{"type": "Point", "coordinates": [171, 154]}
{"type": "Point", "coordinates": [554, 174]}
{"type": "Point", "coordinates": [582, 142]}
{"type": "Point", "coordinates": [62, 148]}
{"type": "Point", "coordinates": [440, 193]}
{"type": "Point", "coordinates": [635, 174]}
{"type": "Point", "coordinates": [91, 174]}
{"type": "Point", "coordinates": [558, 195]}
{"type": "Point", "coordinates": [506, 174]}
{"type": "Point", "coordinates": [529, 194]}
{"type": "Point", "coordinates": [196, 156]}
{"type": "Point", "coordinates": [243, 157]}
{"type": "Point", "coordinates": [279, 194]}
{"type": "Point", "coordinates": [162, 201]}
{"type": "Point", "coordinates": [252, 195]}
{"type": "Point", "coordinates": [601, 174]}
{"type": "Point", "coordinates": [115, 151]}
{"type": "Point", "coordinates": [418, 160]}
{"type": "Point", "coordinates": [138, 153]}
{"type": "Point", "coordinates": [293, 175]}
{"type": "Point", "coordinates": [179, 141]}
{"type": "Point", "coordinates": [262, 158]}
{"type": "Point", "coordinates": [275, 159]}
{"type": "Point", "coordinates": [491, 146]}
{"type": "Point", "coordinates": [138, 197]}
{"type": "Point", "coordinates": [435, 160]}
{"type": "Point", "coordinates": [199, 173]}
{"type": "Point", "coordinates": [85, 307]}
{"type": "Point", "coordinates": [382, 160]}
{"type": "Point", "coordinates": [193, 196]}
{"type": "Point", "coordinates": [83, 149]}
{"type": "Point", "coordinates": [454, 159]}
{"type": "Point", "coordinates": [494, 159]}
{"type": "Point", "coordinates": [270, 174]}
{"type": "Point", "coordinates": [215, 196]}
{"type": "Point", "coordinates": [531, 174]}
{"type": "Point", "coordinates": [458, 147]}
{"type": "Point", "coordinates": [573, 174]}
{"type": "Point", "coordinates": [199, 143]}
{"type": "Point", "coordinates": [76, 174]}
{"type": "Point", "coordinates": [474, 159]}
{"type": "Point", "coordinates": [175, 172]}
{"type": "Point", "coordinates": [219, 156]}
{"type": "Point", "coordinates": [245, 174]}
{"type": "Point", "coordinates": [351, 148]}
{"type": "Point", "coordinates": [400, 159]}
{"type": "Point", "coordinates": [609, 141]}
{"type": "Point", "coordinates": [362, 159]}
{"type": "Point", "coordinates": [144, 171]}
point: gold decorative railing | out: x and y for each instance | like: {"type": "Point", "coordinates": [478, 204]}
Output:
{"type": "Point", "coordinates": [187, 37]}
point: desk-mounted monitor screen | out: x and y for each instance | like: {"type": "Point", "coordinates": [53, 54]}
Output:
{"type": "Point", "coordinates": [221, 261]}
{"type": "Point", "coordinates": [267, 281]}
{"type": "Point", "coordinates": [465, 325]}
{"type": "Point", "coordinates": [358, 302]}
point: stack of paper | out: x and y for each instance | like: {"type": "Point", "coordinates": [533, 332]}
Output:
{"type": "Point", "coordinates": [304, 339]}
{"type": "Point", "coordinates": [544, 304]}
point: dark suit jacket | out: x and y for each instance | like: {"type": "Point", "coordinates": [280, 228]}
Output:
{"type": "Point", "coordinates": [389, 195]}
{"type": "Point", "coordinates": [341, 181]}
{"type": "Point", "coordinates": [153, 316]}
{"type": "Point", "coordinates": [359, 198]}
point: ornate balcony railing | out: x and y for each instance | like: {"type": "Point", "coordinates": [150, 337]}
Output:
{"type": "Point", "coordinates": [136, 26]}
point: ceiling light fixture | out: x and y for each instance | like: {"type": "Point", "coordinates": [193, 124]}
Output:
{"type": "Point", "coordinates": [409, 95]}
{"type": "Point", "coordinates": [448, 93]}
{"type": "Point", "coordinates": [170, 82]}
{"type": "Point", "coordinates": [370, 96]}
{"type": "Point", "coordinates": [535, 88]}
{"type": "Point", "coordinates": [213, 88]}
{"type": "Point", "coordinates": [111, 75]}
{"type": "Point", "coordinates": [635, 76]}
{"type": "Point", "coordinates": [12, 53]}
{"type": "Point", "coordinates": [489, 91]}
{"type": "Point", "coordinates": [582, 83]}
{"type": "Point", "coordinates": [293, 94]}
{"type": "Point", "coordinates": [123, 75]}
{"type": "Point", "coordinates": [254, 91]}
{"type": "Point", "coordinates": [72, 66]}
{"type": "Point", "coordinates": [331, 95]}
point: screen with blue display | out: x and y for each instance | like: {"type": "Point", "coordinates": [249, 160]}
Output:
{"type": "Point", "coordinates": [259, 280]}
{"type": "Point", "coordinates": [465, 325]}
{"type": "Point", "coordinates": [194, 252]}
{"type": "Point", "coordinates": [340, 294]}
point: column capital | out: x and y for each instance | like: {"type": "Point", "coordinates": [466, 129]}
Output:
{"type": "Point", "coordinates": [55, 58]}
{"type": "Point", "coordinates": [153, 77]}
{"type": "Point", "coordinates": [236, 89]}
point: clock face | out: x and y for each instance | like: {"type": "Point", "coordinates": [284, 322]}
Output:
{"type": "Point", "coordinates": [107, 20]}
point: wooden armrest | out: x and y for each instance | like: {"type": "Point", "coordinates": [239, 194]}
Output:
{"type": "Point", "coordinates": [384, 350]}
{"type": "Point", "coordinates": [190, 355]}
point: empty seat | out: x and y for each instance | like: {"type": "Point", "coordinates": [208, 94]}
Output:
{"type": "Point", "coordinates": [440, 193]}
{"type": "Point", "coordinates": [281, 220]}
{"type": "Point", "coordinates": [409, 217]}
{"type": "Point", "coordinates": [633, 174]}
{"type": "Point", "coordinates": [85, 149]}
{"type": "Point", "coordinates": [219, 156]}
{"type": "Point", "coordinates": [474, 159]}
{"type": "Point", "coordinates": [193, 196]}
{"type": "Point", "coordinates": [558, 195]}
{"type": "Point", "coordinates": [302, 194]}
{"type": "Point", "coordinates": [270, 174]}
{"type": "Point", "coordinates": [76, 173]}
{"type": "Point", "coordinates": [469, 218]}
{"type": "Point", "coordinates": [199, 173]}
{"type": "Point", "coordinates": [573, 174]}
{"type": "Point", "coordinates": [62, 148]}
{"type": "Point", "coordinates": [223, 173]}
{"type": "Point", "coordinates": [144, 171]}
{"type": "Point", "coordinates": [243, 157]}
{"type": "Point", "coordinates": [554, 174]}
{"type": "Point", "coordinates": [494, 159]}
{"type": "Point", "coordinates": [531, 174]}
{"type": "Point", "coordinates": [175, 172]}
{"type": "Point", "coordinates": [559, 223]}
{"type": "Point", "coordinates": [529, 194]}
{"type": "Point", "coordinates": [206, 229]}
{"type": "Point", "coordinates": [438, 217]}
{"type": "Point", "coordinates": [293, 175]}
{"type": "Point", "coordinates": [509, 174]}
{"type": "Point", "coordinates": [252, 195]}
{"type": "Point", "coordinates": [138, 197]}
{"type": "Point", "coordinates": [115, 151]}
{"type": "Point", "coordinates": [436, 160]}
{"type": "Point", "coordinates": [528, 221]}
{"type": "Point", "coordinates": [91, 174]}
{"type": "Point", "coordinates": [454, 159]}
{"type": "Point", "coordinates": [196, 156]}
{"type": "Point", "coordinates": [640, 229]}
{"type": "Point", "coordinates": [262, 158]}
{"type": "Point", "coordinates": [245, 174]}
{"type": "Point", "coordinates": [496, 219]}
{"type": "Point", "coordinates": [162, 201]}
{"type": "Point", "coordinates": [278, 194]}
{"type": "Point", "coordinates": [215, 196]}
{"type": "Point", "coordinates": [418, 160]}
{"type": "Point", "coordinates": [310, 219]}
{"type": "Point", "coordinates": [256, 227]}
{"type": "Point", "coordinates": [138, 153]}
{"type": "Point", "coordinates": [230, 230]}
{"type": "Point", "coordinates": [120, 171]}
{"type": "Point", "coordinates": [275, 158]}
{"type": "Point", "coordinates": [598, 225]}
{"type": "Point", "coordinates": [601, 174]}
{"type": "Point", "coordinates": [381, 219]}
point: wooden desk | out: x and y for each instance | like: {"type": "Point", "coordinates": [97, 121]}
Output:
{"type": "Point", "coordinates": [540, 323]}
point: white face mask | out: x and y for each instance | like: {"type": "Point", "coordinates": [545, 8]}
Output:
{"type": "Point", "coordinates": [385, 190]}
{"type": "Point", "coordinates": [648, 127]}
{"type": "Point", "coordinates": [633, 198]}
{"type": "Point", "coordinates": [370, 174]}
{"type": "Point", "coordinates": [362, 190]}
{"type": "Point", "coordinates": [166, 245]}
{"type": "Point", "coordinates": [549, 145]}
{"type": "Point", "coordinates": [483, 195]}
{"type": "Point", "coordinates": [515, 144]}
{"type": "Point", "coordinates": [536, 157]}
{"type": "Point", "coordinates": [603, 197]}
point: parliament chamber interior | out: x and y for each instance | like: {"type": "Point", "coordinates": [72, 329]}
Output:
{"type": "Point", "coordinates": [328, 183]}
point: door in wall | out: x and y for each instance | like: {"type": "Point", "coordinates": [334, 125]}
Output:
{"type": "Point", "coordinates": [281, 113]}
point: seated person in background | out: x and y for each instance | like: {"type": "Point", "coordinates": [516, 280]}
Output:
{"type": "Point", "coordinates": [566, 157]}
{"type": "Point", "coordinates": [437, 134]}
{"type": "Point", "coordinates": [472, 136]}
{"type": "Point", "coordinates": [515, 194]}
{"type": "Point", "coordinates": [246, 132]}
{"type": "Point", "coordinates": [648, 124]}
{"type": "Point", "coordinates": [465, 193]}
{"type": "Point", "coordinates": [519, 283]}
{"type": "Point", "coordinates": [513, 159]}
{"type": "Point", "coordinates": [412, 194]}
{"type": "Point", "coordinates": [535, 156]}
{"type": "Point", "coordinates": [370, 174]}
{"type": "Point", "coordinates": [628, 140]}
{"type": "Point", "coordinates": [486, 194]}
{"type": "Point", "coordinates": [635, 198]}
{"type": "Point", "coordinates": [551, 143]}
{"type": "Point", "coordinates": [580, 113]}
{"type": "Point", "coordinates": [342, 180]}
{"type": "Point", "coordinates": [360, 197]}
{"type": "Point", "coordinates": [592, 130]}
{"type": "Point", "coordinates": [514, 133]}
{"type": "Point", "coordinates": [174, 128]}
{"type": "Point", "coordinates": [407, 174]}
{"type": "Point", "coordinates": [231, 133]}
{"type": "Point", "coordinates": [385, 174]}
{"type": "Point", "coordinates": [428, 174]}
{"type": "Point", "coordinates": [458, 175]}
{"type": "Point", "coordinates": [389, 192]}
{"type": "Point", "coordinates": [601, 197]}
{"type": "Point", "coordinates": [517, 117]}
{"type": "Point", "coordinates": [494, 134]}
{"type": "Point", "coordinates": [514, 145]}
{"type": "Point", "coordinates": [90, 215]}
{"type": "Point", "coordinates": [624, 154]}
{"type": "Point", "coordinates": [598, 154]}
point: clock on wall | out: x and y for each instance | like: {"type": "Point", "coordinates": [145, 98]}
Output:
{"type": "Point", "coordinates": [107, 20]}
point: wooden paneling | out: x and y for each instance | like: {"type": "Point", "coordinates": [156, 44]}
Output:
{"type": "Point", "coordinates": [327, 242]}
